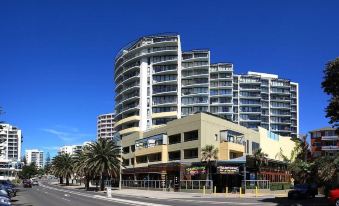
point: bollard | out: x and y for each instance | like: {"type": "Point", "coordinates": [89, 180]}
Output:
{"type": "Point", "coordinates": [256, 191]}
{"type": "Point", "coordinates": [109, 191]}
{"type": "Point", "coordinates": [226, 191]}
{"type": "Point", "coordinates": [240, 192]}
{"type": "Point", "coordinates": [215, 190]}
{"type": "Point", "coordinates": [204, 190]}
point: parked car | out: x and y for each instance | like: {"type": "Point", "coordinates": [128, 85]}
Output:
{"type": "Point", "coordinates": [303, 191]}
{"type": "Point", "coordinates": [9, 186]}
{"type": "Point", "coordinates": [3, 193]}
{"type": "Point", "coordinates": [9, 191]}
{"type": "Point", "coordinates": [4, 201]}
{"type": "Point", "coordinates": [333, 196]}
{"type": "Point", "coordinates": [27, 183]}
{"type": "Point", "coordinates": [35, 182]}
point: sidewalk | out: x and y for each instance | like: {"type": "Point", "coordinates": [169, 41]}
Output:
{"type": "Point", "coordinates": [183, 195]}
{"type": "Point", "coordinates": [180, 195]}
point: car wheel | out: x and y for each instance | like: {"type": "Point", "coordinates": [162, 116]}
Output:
{"type": "Point", "coordinates": [337, 202]}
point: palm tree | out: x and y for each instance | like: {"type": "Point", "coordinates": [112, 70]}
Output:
{"type": "Point", "coordinates": [103, 159]}
{"type": "Point", "coordinates": [81, 167]}
{"type": "Point", "coordinates": [208, 154]}
{"type": "Point", "coordinates": [62, 166]}
{"type": "Point", "coordinates": [328, 168]}
{"type": "Point", "coordinates": [260, 158]}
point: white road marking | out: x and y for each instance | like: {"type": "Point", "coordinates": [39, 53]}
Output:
{"type": "Point", "coordinates": [66, 199]}
{"type": "Point", "coordinates": [216, 202]}
{"type": "Point", "coordinates": [117, 200]}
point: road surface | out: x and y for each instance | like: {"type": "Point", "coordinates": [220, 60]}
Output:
{"type": "Point", "coordinates": [51, 195]}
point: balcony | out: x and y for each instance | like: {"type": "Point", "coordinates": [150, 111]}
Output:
{"type": "Point", "coordinates": [330, 138]}
{"type": "Point", "coordinates": [330, 148]}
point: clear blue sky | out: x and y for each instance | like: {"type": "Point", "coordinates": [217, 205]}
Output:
{"type": "Point", "coordinates": [56, 57]}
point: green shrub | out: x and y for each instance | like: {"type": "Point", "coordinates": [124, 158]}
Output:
{"type": "Point", "coordinates": [280, 185]}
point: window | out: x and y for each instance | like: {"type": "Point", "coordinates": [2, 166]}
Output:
{"type": "Point", "coordinates": [125, 150]}
{"type": "Point", "coordinates": [255, 147]}
{"type": "Point", "coordinates": [163, 109]}
{"type": "Point", "coordinates": [174, 139]}
{"type": "Point", "coordinates": [190, 136]}
{"type": "Point", "coordinates": [191, 153]}
{"type": "Point", "coordinates": [160, 68]}
{"type": "Point", "coordinates": [161, 121]}
{"type": "Point", "coordinates": [132, 148]}
{"type": "Point", "coordinates": [132, 161]}
{"type": "Point", "coordinates": [125, 162]}
{"type": "Point", "coordinates": [164, 88]}
{"type": "Point", "coordinates": [141, 159]}
{"type": "Point", "coordinates": [154, 157]}
{"type": "Point", "coordinates": [175, 155]}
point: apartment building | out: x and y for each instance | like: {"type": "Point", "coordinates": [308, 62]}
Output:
{"type": "Point", "coordinates": [324, 141]}
{"type": "Point", "coordinates": [10, 145]}
{"type": "Point", "coordinates": [71, 149]}
{"type": "Point", "coordinates": [35, 156]}
{"type": "Point", "coordinates": [10, 142]}
{"type": "Point", "coordinates": [164, 152]}
{"type": "Point", "coordinates": [105, 126]}
{"type": "Point", "coordinates": [157, 82]}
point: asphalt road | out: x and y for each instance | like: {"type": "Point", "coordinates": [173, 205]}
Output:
{"type": "Point", "coordinates": [51, 195]}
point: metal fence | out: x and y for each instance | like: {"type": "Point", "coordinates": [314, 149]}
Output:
{"type": "Point", "coordinates": [146, 184]}
{"type": "Point", "coordinates": [259, 184]}
{"type": "Point", "coordinates": [169, 185]}
{"type": "Point", "coordinates": [192, 185]}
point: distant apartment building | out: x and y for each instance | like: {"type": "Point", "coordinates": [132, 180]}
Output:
{"type": "Point", "coordinates": [324, 141]}
{"type": "Point", "coordinates": [35, 156]}
{"type": "Point", "coordinates": [10, 145]}
{"type": "Point", "coordinates": [105, 126]}
{"type": "Point", "coordinates": [156, 82]}
{"type": "Point", "coordinates": [71, 149]}
{"type": "Point", "coordinates": [10, 142]}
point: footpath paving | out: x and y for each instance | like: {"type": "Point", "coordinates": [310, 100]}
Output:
{"type": "Point", "coordinates": [181, 195]}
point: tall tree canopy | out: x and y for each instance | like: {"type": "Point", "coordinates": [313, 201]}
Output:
{"type": "Point", "coordinates": [330, 85]}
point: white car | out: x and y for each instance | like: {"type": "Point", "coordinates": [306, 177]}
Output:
{"type": "Point", "coordinates": [4, 201]}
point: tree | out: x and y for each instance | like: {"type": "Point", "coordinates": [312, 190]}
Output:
{"type": "Point", "coordinates": [62, 167]}
{"type": "Point", "coordinates": [260, 159]}
{"type": "Point", "coordinates": [28, 171]}
{"type": "Point", "coordinates": [208, 154]}
{"type": "Point", "coordinates": [48, 165]}
{"type": "Point", "coordinates": [80, 166]}
{"type": "Point", "coordinates": [330, 85]}
{"type": "Point", "coordinates": [327, 168]}
{"type": "Point", "coordinates": [300, 166]}
{"type": "Point", "coordinates": [103, 159]}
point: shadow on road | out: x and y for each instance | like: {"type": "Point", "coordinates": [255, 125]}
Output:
{"type": "Point", "coordinates": [284, 201]}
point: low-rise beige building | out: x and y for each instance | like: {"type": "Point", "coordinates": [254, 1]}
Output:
{"type": "Point", "coordinates": [160, 150]}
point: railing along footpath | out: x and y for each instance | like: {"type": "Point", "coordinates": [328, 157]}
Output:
{"type": "Point", "coordinates": [198, 186]}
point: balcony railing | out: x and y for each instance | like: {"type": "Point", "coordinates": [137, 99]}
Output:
{"type": "Point", "coordinates": [330, 138]}
{"type": "Point", "coordinates": [332, 147]}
